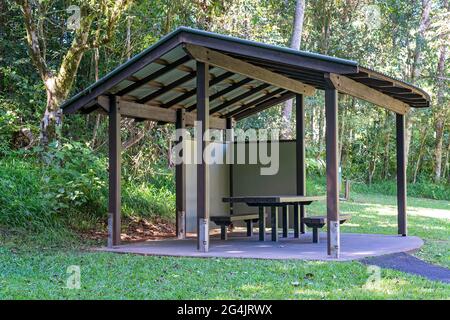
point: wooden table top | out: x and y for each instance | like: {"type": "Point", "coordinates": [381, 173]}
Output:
{"type": "Point", "coordinates": [277, 199]}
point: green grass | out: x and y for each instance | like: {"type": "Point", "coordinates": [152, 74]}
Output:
{"type": "Point", "coordinates": [113, 276]}
{"type": "Point", "coordinates": [378, 214]}
{"type": "Point", "coordinates": [27, 272]}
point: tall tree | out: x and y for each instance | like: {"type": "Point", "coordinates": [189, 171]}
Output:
{"type": "Point", "coordinates": [94, 23]}
{"type": "Point", "coordinates": [296, 41]}
{"type": "Point", "coordinates": [441, 109]}
{"type": "Point", "coordinates": [416, 65]}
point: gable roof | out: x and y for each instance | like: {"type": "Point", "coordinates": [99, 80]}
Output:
{"type": "Point", "coordinates": [164, 76]}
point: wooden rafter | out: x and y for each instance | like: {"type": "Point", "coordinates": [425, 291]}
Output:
{"type": "Point", "coordinates": [192, 92]}
{"type": "Point", "coordinates": [171, 86]}
{"type": "Point", "coordinates": [264, 105]}
{"type": "Point", "coordinates": [153, 76]}
{"type": "Point", "coordinates": [361, 91]}
{"type": "Point", "coordinates": [240, 97]}
{"type": "Point", "coordinates": [238, 66]}
{"type": "Point", "coordinates": [223, 92]}
{"type": "Point", "coordinates": [253, 102]}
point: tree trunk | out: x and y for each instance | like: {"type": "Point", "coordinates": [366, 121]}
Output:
{"type": "Point", "coordinates": [439, 128]}
{"type": "Point", "coordinates": [320, 135]}
{"type": "Point", "coordinates": [99, 116]}
{"type": "Point", "coordinates": [446, 162]}
{"type": "Point", "coordinates": [416, 66]}
{"type": "Point", "coordinates": [295, 44]}
{"type": "Point", "coordinates": [50, 127]}
{"type": "Point", "coordinates": [408, 134]}
{"type": "Point", "coordinates": [58, 83]}
{"type": "Point", "coordinates": [423, 134]}
{"type": "Point", "coordinates": [440, 113]}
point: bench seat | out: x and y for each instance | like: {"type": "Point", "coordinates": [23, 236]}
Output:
{"type": "Point", "coordinates": [225, 221]}
{"type": "Point", "coordinates": [317, 222]}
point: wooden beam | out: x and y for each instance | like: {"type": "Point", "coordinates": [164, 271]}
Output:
{"type": "Point", "coordinates": [401, 175]}
{"type": "Point", "coordinates": [136, 110]}
{"type": "Point", "coordinates": [115, 146]}
{"type": "Point", "coordinates": [238, 66]}
{"type": "Point", "coordinates": [332, 163]}
{"type": "Point", "coordinates": [361, 91]}
{"type": "Point", "coordinates": [229, 138]}
{"type": "Point", "coordinates": [300, 158]}
{"type": "Point", "coordinates": [202, 166]}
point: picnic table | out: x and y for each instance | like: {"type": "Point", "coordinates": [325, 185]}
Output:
{"type": "Point", "coordinates": [274, 203]}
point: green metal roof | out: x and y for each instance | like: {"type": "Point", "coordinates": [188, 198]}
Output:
{"type": "Point", "coordinates": [300, 65]}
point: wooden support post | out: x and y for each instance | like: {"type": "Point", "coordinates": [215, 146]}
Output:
{"type": "Point", "coordinates": [300, 154]}
{"type": "Point", "coordinates": [401, 176]}
{"type": "Point", "coordinates": [115, 146]}
{"type": "Point", "coordinates": [202, 166]}
{"type": "Point", "coordinates": [274, 220]}
{"type": "Point", "coordinates": [229, 138]}
{"type": "Point", "coordinates": [180, 178]}
{"type": "Point", "coordinates": [285, 221]}
{"type": "Point", "coordinates": [331, 115]}
{"type": "Point", "coordinates": [262, 224]}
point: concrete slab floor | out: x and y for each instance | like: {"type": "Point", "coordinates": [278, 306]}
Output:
{"type": "Point", "coordinates": [353, 247]}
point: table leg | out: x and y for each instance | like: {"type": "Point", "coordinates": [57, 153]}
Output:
{"type": "Point", "coordinates": [223, 232]}
{"type": "Point", "coordinates": [315, 235]}
{"type": "Point", "coordinates": [249, 228]}
{"type": "Point", "coordinates": [302, 216]}
{"type": "Point", "coordinates": [285, 221]}
{"type": "Point", "coordinates": [296, 220]}
{"type": "Point", "coordinates": [274, 217]}
{"type": "Point", "coordinates": [262, 224]}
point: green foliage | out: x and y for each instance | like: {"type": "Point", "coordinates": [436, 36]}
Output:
{"type": "Point", "coordinates": [428, 189]}
{"type": "Point", "coordinates": [147, 200]}
{"type": "Point", "coordinates": [37, 193]}
{"type": "Point", "coordinates": [66, 185]}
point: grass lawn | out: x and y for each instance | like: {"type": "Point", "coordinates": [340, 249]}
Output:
{"type": "Point", "coordinates": [28, 273]}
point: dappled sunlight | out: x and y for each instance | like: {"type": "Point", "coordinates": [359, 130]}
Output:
{"type": "Point", "coordinates": [431, 228]}
{"type": "Point", "coordinates": [349, 224]}
{"type": "Point", "coordinates": [429, 212]}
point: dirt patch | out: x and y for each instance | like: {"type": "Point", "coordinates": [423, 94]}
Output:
{"type": "Point", "coordinates": [137, 229]}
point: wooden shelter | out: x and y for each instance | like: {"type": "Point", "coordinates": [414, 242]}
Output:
{"type": "Point", "coordinates": [195, 75]}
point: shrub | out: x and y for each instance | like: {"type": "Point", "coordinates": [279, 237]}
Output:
{"type": "Point", "coordinates": [67, 185]}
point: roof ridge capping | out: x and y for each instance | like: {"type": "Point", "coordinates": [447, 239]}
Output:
{"type": "Point", "coordinates": [266, 46]}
